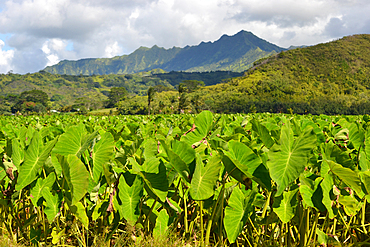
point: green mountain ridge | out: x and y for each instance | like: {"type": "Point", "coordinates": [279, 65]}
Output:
{"type": "Point", "coordinates": [235, 53]}
{"type": "Point", "coordinates": [329, 78]}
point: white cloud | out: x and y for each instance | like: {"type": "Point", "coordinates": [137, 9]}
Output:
{"type": "Point", "coordinates": [5, 58]}
{"type": "Point", "coordinates": [55, 49]}
{"type": "Point", "coordinates": [42, 29]}
{"type": "Point", "coordinates": [113, 50]}
{"type": "Point", "coordinates": [282, 13]}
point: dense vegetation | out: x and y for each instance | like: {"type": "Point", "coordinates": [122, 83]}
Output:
{"type": "Point", "coordinates": [69, 93]}
{"type": "Point", "coordinates": [251, 180]}
{"type": "Point", "coordinates": [209, 78]}
{"type": "Point", "coordinates": [229, 53]}
{"type": "Point", "coordinates": [331, 78]}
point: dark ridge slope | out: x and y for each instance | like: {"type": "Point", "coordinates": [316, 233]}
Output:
{"type": "Point", "coordinates": [234, 53]}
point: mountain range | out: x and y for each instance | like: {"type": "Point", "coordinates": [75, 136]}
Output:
{"type": "Point", "coordinates": [229, 53]}
{"type": "Point", "coordinates": [328, 78]}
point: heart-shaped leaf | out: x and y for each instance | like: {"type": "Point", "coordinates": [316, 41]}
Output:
{"type": "Point", "coordinates": [287, 160]}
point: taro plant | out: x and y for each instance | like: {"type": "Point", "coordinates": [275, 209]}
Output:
{"type": "Point", "coordinates": [255, 180]}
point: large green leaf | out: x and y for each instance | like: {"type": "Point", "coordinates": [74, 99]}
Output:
{"type": "Point", "coordinates": [365, 179]}
{"type": "Point", "coordinates": [28, 135]}
{"type": "Point", "coordinates": [161, 224]}
{"type": "Point", "coordinates": [263, 133]}
{"type": "Point", "coordinates": [79, 211]}
{"type": "Point", "coordinates": [55, 163]}
{"type": "Point", "coordinates": [203, 124]}
{"type": "Point", "coordinates": [284, 206]}
{"type": "Point", "coordinates": [183, 150]}
{"type": "Point", "coordinates": [367, 143]}
{"type": "Point", "coordinates": [364, 163]}
{"type": "Point", "coordinates": [128, 199]}
{"type": "Point", "coordinates": [246, 161]}
{"type": "Point", "coordinates": [234, 171]}
{"type": "Point", "coordinates": [74, 141]}
{"type": "Point", "coordinates": [150, 148]}
{"type": "Point", "coordinates": [350, 205]}
{"type": "Point", "coordinates": [204, 178]}
{"type": "Point", "coordinates": [52, 204]}
{"type": "Point", "coordinates": [348, 176]}
{"type": "Point", "coordinates": [342, 135]}
{"type": "Point", "coordinates": [76, 177]}
{"type": "Point", "coordinates": [287, 160]}
{"type": "Point", "coordinates": [17, 153]}
{"type": "Point", "coordinates": [330, 151]}
{"type": "Point", "coordinates": [243, 157]}
{"type": "Point", "coordinates": [356, 135]}
{"type": "Point", "coordinates": [237, 212]}
{"type": "Point", "coordinates": [327, 189]}
{"type": "Point", "coordinates": [177, 163]}
{"type": "Point", "coordinates": [102, 153]}
{"type": "Point", "coordinates": [318, 131]}
{"type": "Point", "coordinates": [36, 191]}
{"type": "Point", "coordinates": [155, 177]}
{"type": "Point", "coordinates": [312, 197]}
{"type": "Point", "coordinates": [151, 165]}
{"type": "Point", "coordinates": [34, 160]}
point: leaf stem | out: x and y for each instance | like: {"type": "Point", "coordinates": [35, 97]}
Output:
{"type": "Point", "coordinates": [201, 223]}
{"type": "Point", "coordinates": [363, 217]}
{"type": "Point", "coordinates": [210, 221]}
{"type": "Point", "coordinates": [185, 211]}
{"type": "Point", "coordinates": [150, 212]}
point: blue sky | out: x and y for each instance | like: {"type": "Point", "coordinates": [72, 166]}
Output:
{"type": "Point", "coordinates": [4, 37]}
{"type": "Point", "coordinates": [38, 33]}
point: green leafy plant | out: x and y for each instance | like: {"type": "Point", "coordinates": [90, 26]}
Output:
{"type": "Point", "coordinates": [208, 179]}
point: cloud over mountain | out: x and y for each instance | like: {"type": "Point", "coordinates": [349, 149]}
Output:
{"type": "Point", "coordinates": [42, 32]}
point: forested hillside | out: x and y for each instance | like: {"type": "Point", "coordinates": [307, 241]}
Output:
{"type": "Point", "coordinates": [140, 60]}
{"type": "Point", "coordinates": [229, 53]}
{"type": "Point", "coordinates": [331, 78]}
{"type": "Point", "coordinates": [93, 91]}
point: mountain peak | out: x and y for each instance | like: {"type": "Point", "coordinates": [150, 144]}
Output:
{"type": "Point", "coordinates": [142, 48]}
{"type": "Point", "coordinates": [241, 32]}
{"type": "Point", "coordinates": [234, 53]}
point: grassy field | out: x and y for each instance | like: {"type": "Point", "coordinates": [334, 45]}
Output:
{"type": "Point", "coordinates": [108, 111]}
{"type": "Point", "coordinates": [122, 241]}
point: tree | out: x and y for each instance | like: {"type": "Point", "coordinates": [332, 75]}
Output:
{"type": "Point", "coordinates": [12, 98]}
{"type": "Point", "coordinates": [151, 93]}
{"type": "Point", "coordinates": [132, 106]}
{"type": "Point", "coordinates": [182, 97]}
{"type": "Point", "coordinates": [56, 97]}
{"type": "Point", "coordinates": [196, 103]}
{"type": "Point", "coordinates": [36, 96]}
{"type": "Point", "coordinates": [116, 94]}
{"type": "Point", "coordinates": [31, 101]}
{"type": "Point", "coordinates": [161, 88]}
{"type": "Point", "coordinates": [192, 85]}
{"type": "Point", "coordinates": [161, 106]}
{"type": "Point", "coordinates": [4, 106]}
{"type": "Point", "coordinates": [92, 84]}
